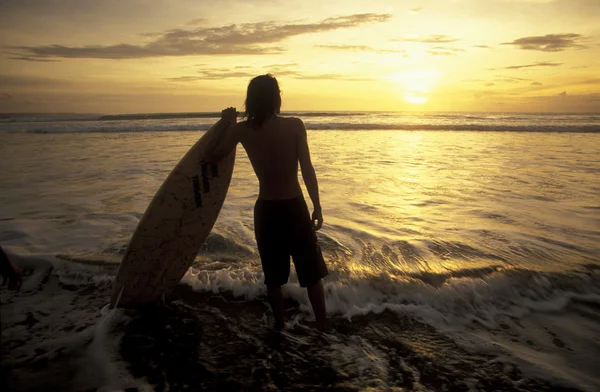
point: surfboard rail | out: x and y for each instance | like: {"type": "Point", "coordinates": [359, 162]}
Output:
{"type": "Point", "coordinates": [174, 226]}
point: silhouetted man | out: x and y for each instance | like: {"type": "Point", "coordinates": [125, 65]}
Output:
{"type": "Point", "coordinates": [282, 223]}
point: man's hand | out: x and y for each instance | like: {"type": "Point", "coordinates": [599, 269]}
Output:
{"type": "Point", "coordinates": [229, 115]}
{"type": "Point", "coordinates": [317, 219]}
{"type": "Point", "coordinates": [224, 140]}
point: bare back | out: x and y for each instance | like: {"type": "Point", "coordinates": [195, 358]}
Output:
{"type": "Point", "coordinates": [273, 152]}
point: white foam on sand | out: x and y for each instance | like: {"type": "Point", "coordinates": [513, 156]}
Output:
{"type": "Point", "coordinates": [69, 339]}
{"type": "Point", "coordinates": [365, 362]}
{"type": "Point", "coordinates": [459, 301]}
{"type": "Point", "coordinates": [546, 324]}
{"type": "Point", "coordinates": [561, 347]}
{"type": "Point", "coordinates": [484, 314]}
{"type": "Point", "coordinates": [102, 367]}
{"type": "Point", "coordinates": [239, 282]}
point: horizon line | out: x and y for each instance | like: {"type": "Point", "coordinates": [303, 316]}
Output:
{"type": "Point", "coordinates": [295, 111]}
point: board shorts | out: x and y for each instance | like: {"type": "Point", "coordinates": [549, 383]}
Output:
{"type": "Point", "coordinates": [284, 228]}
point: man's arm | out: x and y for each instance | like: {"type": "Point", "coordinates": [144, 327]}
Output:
{"type": "Point", "coordinates": [226, 140]}
{"type": "Point", "coordinates": [308, 174]}
{"type": "Point", "coordinates": [224, 144]}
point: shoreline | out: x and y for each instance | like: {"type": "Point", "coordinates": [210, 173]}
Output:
{"type": "Point", "coordinates": [216, 341]}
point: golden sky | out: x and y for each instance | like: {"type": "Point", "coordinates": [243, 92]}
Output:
{"type": "Point", "coordinates": [129, 56]}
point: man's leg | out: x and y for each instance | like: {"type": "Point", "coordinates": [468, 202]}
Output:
{"type": "Point", "coordinates": [317, 300]}
{"type": "Point", "coordinates": [276, 301]}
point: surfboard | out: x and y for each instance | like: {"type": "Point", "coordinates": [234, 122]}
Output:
{"type": "Point", "coordinates": [174, 227]}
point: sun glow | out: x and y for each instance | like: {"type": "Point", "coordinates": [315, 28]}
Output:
{"type": "Point", "coordinates": [416, 84]}
{"type": "Point", "coordinates": [414, 98]}
{"type": "Point", "coordinates": [383, 55]}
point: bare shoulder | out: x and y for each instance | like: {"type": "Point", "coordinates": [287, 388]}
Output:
{"type": "Point", "coordinates": [298, 121]}
{"type": "Point", "coordinates": [239, 129]}
{"type": "Point", "coordinates": [240, 126]}
{"type": "Point", "coordinates": [295, 124]}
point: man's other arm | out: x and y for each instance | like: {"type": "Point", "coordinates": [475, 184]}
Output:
{"type": "Point", "coordinates": [308, 174]}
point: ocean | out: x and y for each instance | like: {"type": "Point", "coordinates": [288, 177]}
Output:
{"type": "Point", "coordinates": [463, 250]}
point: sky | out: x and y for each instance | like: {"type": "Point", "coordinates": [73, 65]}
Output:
{"type": "Point", "coordinates": [134, 56]}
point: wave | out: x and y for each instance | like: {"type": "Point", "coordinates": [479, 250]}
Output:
{"type": "Point", "coordinates": [464, 297]}
{"type": "Point", "coordinates": [457, 127]}
{"type": "Point", "coordinates": [458, 297]}
{"type": "Point", "coordinates": [180, 127]}
{"type": "Point", "coordinates": [317, 120]}
{"type": "Point", "coordinates": [159, 116]}
{"type": "Point", "coordinates": [481, 310]}
{"type": "Point", "coordinates": [43, 117]}
{"type": "Point", "coordinates": [26, 117]}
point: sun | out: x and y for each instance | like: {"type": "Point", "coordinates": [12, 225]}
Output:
{"type": "Point", "coordinates": [414, 98]}
{"type": "Point", "coordinates": [416, 84]}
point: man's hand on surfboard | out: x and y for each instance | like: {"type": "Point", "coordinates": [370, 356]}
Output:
{"type": "Point", "coordinates": [226, 139]}
{"type": "Point", "coordinates": [229, 115]}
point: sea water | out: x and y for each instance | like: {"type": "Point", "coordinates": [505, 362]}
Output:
{"type": "Point", "coordinates": [483, 227]}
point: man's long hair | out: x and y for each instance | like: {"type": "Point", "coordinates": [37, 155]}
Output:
{"type": "Point", "coordinates": [263, 100]}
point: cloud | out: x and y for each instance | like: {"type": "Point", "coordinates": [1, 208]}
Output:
{"type": "Point", "coordinates": [278, 70]}
{"type": "Point", "coordinates": [593, 98]}
{"type": "Point", "coordinates": [444, 51]}
{"type": "Point", "coordinates": [431, 39]}
{"type": "Point", "coordinates": [334, 77]}
{"type": "Point", "coordinates": [416, 9]}
{"type": "Point", "coordinates": [439, 53]}
{"type": "Point", "coordinates": [236, 39]}
{"type": "Point", "coordinates": [184, 79]}
{"type": "Point", "coordinates": [565, 102]}
{"type": "Point", "coordinates": [217, 74]}
{"type": "Point", "coordinates": [358, 48]}
{"type": "Point", "coordinates": [195, 22]}
{"type": "Point", "coordinates": [497, 78]}
{"type": "Point", "coordinates": [549, 42]}
{"type": "Point", "coordinates": [523, 86]}
{"type": "Point", "coordinates": [534, 65]}
{"type": "Point", "coordinates": [352, 48]}
{"type": "Point", "coordinates": [240, 71]}
{"type": "Point", "coordinates": [6, 96]}
{"type": "Point", "coordinates": [448, 48]}
{"type": "Point", "coordinates": [34, 59]}
{"type": "Point", "coordinates": [481, 46]}
{"type": "Point", "coordinates": [510, 79]}
{"type": "Point", "coordinates": [27, 82]}
{"type": "Point", "coordinates": [286, 69]}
